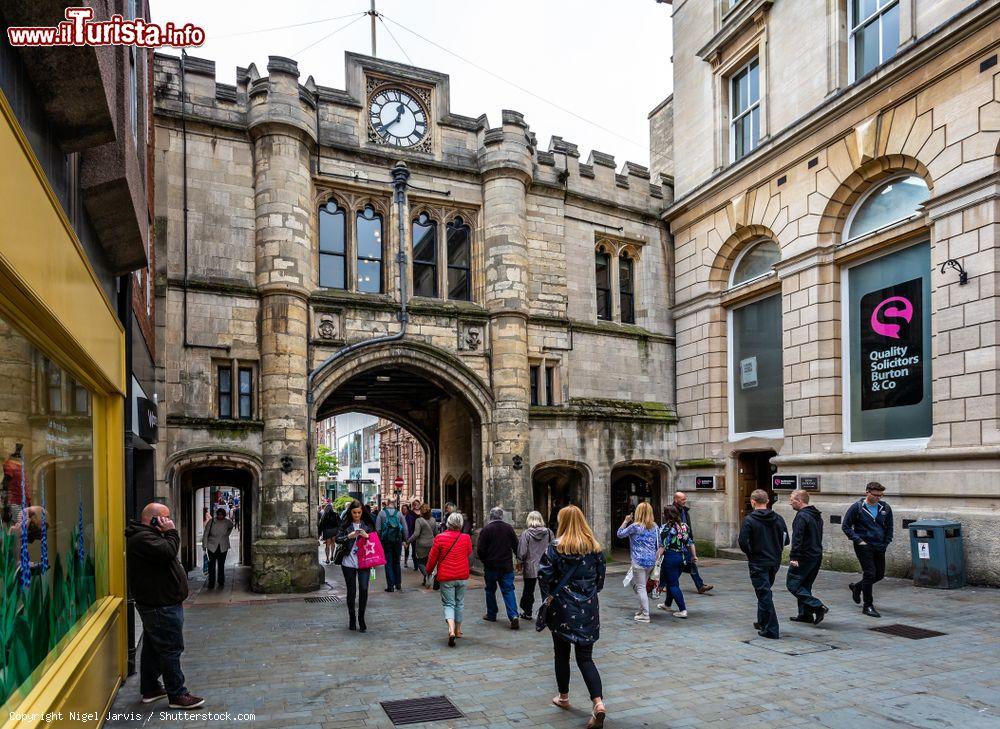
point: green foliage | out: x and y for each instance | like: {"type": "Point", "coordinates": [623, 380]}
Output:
{"type": "Point", "coordinates": [341, 502]}
{"type": "Point", "coordinates": [327, 463]}
{"type": "Point", "coordinates": [33, 621]}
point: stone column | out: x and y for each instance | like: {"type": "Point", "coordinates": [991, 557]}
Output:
{"type": "Point", "coordinates": [281, 126]}
{"type": "Point", "coordinates": [506, 163]}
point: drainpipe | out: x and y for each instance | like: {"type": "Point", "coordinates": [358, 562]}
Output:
{"type": "Point", "coordinates": [400, 176]}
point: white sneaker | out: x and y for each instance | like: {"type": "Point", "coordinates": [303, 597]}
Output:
{"type": "Point", "coordinates": [681, 614]}
{"type": "Point", "coordinates": [661, 606]}
{"type": "Point", "coordinates": [642, 618]}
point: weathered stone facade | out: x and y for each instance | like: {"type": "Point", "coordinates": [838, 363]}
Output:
{"type": "Point", "coordinates": [930, 111]}
{"type": "Point", "coordinates": [518, 391]}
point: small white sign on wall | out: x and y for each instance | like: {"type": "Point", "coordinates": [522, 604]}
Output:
{"type": "Point", "coordinates": [923, 550]}
{"type": "Point", "coordinates": [748, 373]}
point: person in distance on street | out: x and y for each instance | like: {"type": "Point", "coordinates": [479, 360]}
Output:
{"type": "Point", "coordinates": [392, 530]}
{"type": "Point", "coordinates": [805, 558]}
{"type": "Point", "coordinates": [496, 548]}
{"type": "Point", "coordinates": [868, 523]}
{"type": "Point", "coordinates": [691, 566]}
{"type": "Point", "coordinates": [570, 576]}
{"type": "Point", "coordinates": [422, 539]}
{"type": "Point", "coordinates": [762, 539]}
{"type": "Point", "coordinates": [450, 555]}
{"type": "Point", "coordinates": [531, 545]}
{"type": "Point", "coordinates": [329, 524]}
{"type": "Point", "coordinates": [215, 542]}
{"type": "Point", "coordinates": [159, 585]}
{"type": "Point", "coordinates": [353, 524]}
{"type": "Point", "coordinates": [676, 547]}
{"type": "Point", "coordinates": [643, 534]}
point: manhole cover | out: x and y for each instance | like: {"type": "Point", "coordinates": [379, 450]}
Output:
{"type": "Point", "coordinates": [791, 646]}
{"type": "Point", "coordinates": [325, 598]}
{"type": "Point", "coordinates": [907, 631]}
{"type": "Point", "coordinates": [415, 711]}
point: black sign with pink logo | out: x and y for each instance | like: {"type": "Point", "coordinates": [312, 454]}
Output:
{"type": "Point", "coordinates": [892, 346]}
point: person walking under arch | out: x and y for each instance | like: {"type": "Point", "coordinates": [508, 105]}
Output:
{"type": "Point", "coordinates": [531, 545]}
{"type": "Point", "coordinates": [570, 575]}
{"type": "Point", "coordinates": [868, 523]}
{"type": "Point", "coordinates": [391, 528]}
{"type": "Point", "coordinates": [422, 540]}
{"type": "Point", "coordinates": [691, 567]}
{"type": "Point", "coordinates": [215, 542]}
{"type": "Point", "coordinates": [496, 548]}
{"type": "Point", "coordinates": [762, 539]}
{"type": "Point", "coordinates": [355, 523]}
{"type": "Point", "coordinates": [329, 524]}
{"type": "Point", "coordinates": [450, 555]}
{"type": "Point", "coordinates": [642, 533]}
{"type": "Point", "coordinates": [677, 549]}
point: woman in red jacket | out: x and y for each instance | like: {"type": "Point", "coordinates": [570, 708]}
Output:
{"type": "Point", "coordinates": [450, 554]}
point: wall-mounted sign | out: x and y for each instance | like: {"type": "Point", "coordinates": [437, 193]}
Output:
{"type": "Point", "coordinates": [146, 419]}
{"type": "Point", "coordinates": [809, 483]}
{"type": "Point", "coordinates": [748, 373]}
{"type": "Point", "coordinates": [784, 482]}
{"type": "Point", "coordinates": [704, 482]}
{"type": "Point", "coordinates": [892, 355]}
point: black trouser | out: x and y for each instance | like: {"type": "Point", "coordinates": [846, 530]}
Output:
{"type": "Point", "coordinates": [528, 595]}
{"type": "Point", "coordinates": [762, 579]}
{"type": "Point", "coordinates": [217, 566]}
{"type": "Point", "coordinates": [800, 581]}
{"type": "Point", "coordinates": [872, 569]}
{"type": "Point", "coordinates": [357, 587]}
{"type": "Point", "coordinates": [162, 645]}
{"type": "Point", "coordinates": [584, 661]}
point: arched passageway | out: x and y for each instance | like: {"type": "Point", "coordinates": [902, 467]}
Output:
{"type": "Point", "coordinates": [556, 484]}
{"type": "Point", "coordinates": [632, 483]}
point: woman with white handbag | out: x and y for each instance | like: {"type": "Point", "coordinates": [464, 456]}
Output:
{"type": "Point", "coordinates": [642, 533]}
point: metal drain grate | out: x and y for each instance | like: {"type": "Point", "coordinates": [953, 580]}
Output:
{"type": "Point", "coordinates": [325, 598]}
{"type": "Point", "coordinates": [415, 711]}
{"type": "Point", "coordinates": [907, 631]}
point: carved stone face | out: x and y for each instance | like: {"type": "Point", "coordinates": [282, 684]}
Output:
{"type": "Point", "coordinates": [327, 328]}
{"type": "Point", "coordinates": [472, 339]}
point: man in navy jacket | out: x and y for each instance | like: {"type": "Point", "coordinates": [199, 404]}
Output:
{"type": "Point", "coordinates": [868, 523]}
{"type": "Point", "coordinates": [763, 538]}
{"type": "Point", "coordinates": [805, 558]}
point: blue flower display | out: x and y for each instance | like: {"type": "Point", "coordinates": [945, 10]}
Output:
{"type": "Point", "coordinates": [25, 562]}
{"type": "Point", "coordinates": [45, 526]}
{"type": "Point", "coordinates": [80, 555]}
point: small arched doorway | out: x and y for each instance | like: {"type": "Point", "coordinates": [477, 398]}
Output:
{"type": "Point", "coordinates": [632, 483]}
{"type": "Point", "coordinates": [556, 484]}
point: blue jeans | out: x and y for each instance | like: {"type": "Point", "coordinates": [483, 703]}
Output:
{"type": "Point", "coordinates": [393, 572]}
{"type": "Point", "coordinates": [162, 645]}
{"type": "Point", "coordinates": [506, 582]}
{"type": "Point", "coordinates": [453, 599]}
{"type": "Point", "coordinates": [692, 569]}
{"type": "Point", "coordinates": [670, 574]}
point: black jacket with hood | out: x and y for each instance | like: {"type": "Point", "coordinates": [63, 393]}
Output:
{"type": "Point", "coordinates": [155, 577]}
{"type": "Point", "coordinates": [807, 534]}
{"type": "Point", "coordinates": [763, 537]}
{"type": "Point", "coordinates": [575, 613]}
{"type": "Point", "coordinates": [860, 526]}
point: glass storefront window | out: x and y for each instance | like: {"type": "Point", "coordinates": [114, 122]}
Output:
{"type": "Point", "coordinates": [756, 400]}
{"type": "Point", "coordinates": [47, 551]}
{"type": "Point", "coordinates": [888, 348]}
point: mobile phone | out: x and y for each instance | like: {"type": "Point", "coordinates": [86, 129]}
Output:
{"type": "Point", "coordinates": [155, 521]}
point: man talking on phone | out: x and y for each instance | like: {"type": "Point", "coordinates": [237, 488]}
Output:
{"type": "Point", "coordinates": [158, 584]}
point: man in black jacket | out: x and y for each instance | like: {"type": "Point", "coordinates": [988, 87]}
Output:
{"type": "Point", "coordinates": [158, 585]}
{"type": "Point", "coordinates": [691, 566]}
{"type": "Point", "coordinates": [762, 539]}
{"type": "Point", "coordinates": [868, 523]}
{"type": "Point", "coordinates": [805, 558]}
{"type": "Point", "coordinates": [496, 549]}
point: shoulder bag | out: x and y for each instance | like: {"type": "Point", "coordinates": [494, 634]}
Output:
{"type": "Point", "coordinates": [437, 585]}
{"type": "Point", "coordinates": [542, 619]}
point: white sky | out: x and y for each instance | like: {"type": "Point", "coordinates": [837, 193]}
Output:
{"type": "Point", "coordinates": [607, 61]}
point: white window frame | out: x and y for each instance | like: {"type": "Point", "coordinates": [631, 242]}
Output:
{"type": "Point", "coordinates": [852, 31]}
{"type": "Point", "coordinates": [744, 252]}
{"type": "Point", "coordinates": [776, 433]}
{"type": "Point", "coordinates": [131, 7]}
{"type": "Point", "coordinates": [746, 112]}
{"type": "Point", "coordinates": [865, 446]}
{"type": "Point", "coordinates": [867, 194]}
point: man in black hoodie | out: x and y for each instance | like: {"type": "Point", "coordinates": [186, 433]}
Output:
{"type": "Point", "coordinates": [762, 539]}
{"type": "Point", "coordinates": [805, 558]}
{"type": "Point", "coordinates": [868, 523]}
{"type": "Point", "coordinates": [158, 584]}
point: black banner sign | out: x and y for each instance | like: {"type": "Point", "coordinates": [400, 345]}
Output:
{"type": "Point", "coordinates": [147, 419]}
{"type": "Point", "coordinates": [784, 483]}
{"type": "Point", "coordinates": [704, 482]}
{"type": "Point", "coordinates": [892, 346]}
{"type": "Point", "coordinates": [809, 483]}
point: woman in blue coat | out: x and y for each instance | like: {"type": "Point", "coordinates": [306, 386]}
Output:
{"type": "Point", "coordinates": [571, 573]}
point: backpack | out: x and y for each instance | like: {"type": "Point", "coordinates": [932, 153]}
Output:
{"type": "Point", "coordinates": [392, 530]}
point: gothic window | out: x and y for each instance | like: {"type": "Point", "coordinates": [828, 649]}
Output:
{"type": "Point", "coordinates": [757, 260]}
{"type": "Point", "coordinates": [425, 237]}
{"type": "Point", "coordinates": [602, 263]}
{"type": "Point", "coordinates": [332, 246]}
{"type": "Point", "coordinates": [894, 201]}
{"type": "Point", "coordinates": [246, 393]}
{"type": "Point", "coordinates": [53, 378]}
{"type": "Point", "coordinates": [626, 287]}
{"type": "Point", "coordinates": [459, 261]}
{"type": "Point", "coordinates": [533, 385]}
{"type": "Point", "coordinates": [225, 391]}
{"type": "Point", "coordinates": [370, 251]}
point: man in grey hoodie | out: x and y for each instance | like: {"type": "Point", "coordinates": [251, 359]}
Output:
{"type": "Point", "coordinates": [531, 545]}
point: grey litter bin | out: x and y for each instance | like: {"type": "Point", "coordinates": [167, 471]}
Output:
{"type": "Point", "coordinates": [936, 551]}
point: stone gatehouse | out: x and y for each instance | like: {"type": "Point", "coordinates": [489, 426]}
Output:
{"type": "Point", "coordinates": [507, 304]}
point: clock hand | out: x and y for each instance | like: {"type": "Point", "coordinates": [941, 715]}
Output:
{"type": "Point", "coordinates": [399, 115]}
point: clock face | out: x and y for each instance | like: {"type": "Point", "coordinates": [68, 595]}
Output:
{"type": "Point", "coordinates": [397, 118]}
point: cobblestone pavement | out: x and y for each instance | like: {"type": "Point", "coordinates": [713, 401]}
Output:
{"type": "Point", "coordinates": [295, 665]}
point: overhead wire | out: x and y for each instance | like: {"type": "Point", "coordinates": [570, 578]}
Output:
{"type": "Point", "coordinates": [329, 35]}
{"type": "Point", "coordinates": [394, 40]}
{"type": "Point", "coordinates": [282, 27]}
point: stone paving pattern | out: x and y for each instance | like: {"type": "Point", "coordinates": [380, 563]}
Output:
{"type": "Point", "coordinates": [296, 666]}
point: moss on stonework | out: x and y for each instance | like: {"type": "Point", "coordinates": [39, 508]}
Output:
{"type": "Point", "coordinates": [697, 463]}
{"type": "Point", "coordinates": [219, 426]}
{"type": "Point", "coordinates": [601, 408]}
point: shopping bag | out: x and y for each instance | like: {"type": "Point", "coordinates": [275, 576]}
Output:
{"type": "Point", "coordinates": [370, 552]}
{"type": "Point", "coordinates": [629, 577]}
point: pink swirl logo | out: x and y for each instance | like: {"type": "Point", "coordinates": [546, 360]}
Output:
{"type": "Point", "coordinates": [904, 312]}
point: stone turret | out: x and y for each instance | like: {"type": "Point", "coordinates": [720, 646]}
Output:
{"type": "Point", "coordinates": [280, 122]}
{"type": "Point", "coordinates": [505, 159]}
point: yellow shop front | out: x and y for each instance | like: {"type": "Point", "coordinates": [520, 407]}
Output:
{"type": "Point", "coordinates": [62, 379]}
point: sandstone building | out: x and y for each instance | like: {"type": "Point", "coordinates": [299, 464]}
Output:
{"type": "Point", "coordinates": [508, 305]}
{"type": "Point", "coordinates": [836, 237]}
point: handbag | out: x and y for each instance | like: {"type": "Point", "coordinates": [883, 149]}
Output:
{"type": "Point", "coordinates": [629, 577]}
{"type": "Point", "coordinates": [370, 553]}
{"type": "Point", "coordinates": [542, 617]}
{"type": "Point", "coordinates": [437, 585]}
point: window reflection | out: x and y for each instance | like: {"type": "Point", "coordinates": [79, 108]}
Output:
{"type": "Point", "coordinates": [459, 261]}
{"type": "Point", "coordinates": [369, 227]}
{"type": "Point", "coordinates": [892, 202]}
{"type": "Point", "coordinates": [332, 246]}
{"type": "Point", "coordinates": [425, 256]}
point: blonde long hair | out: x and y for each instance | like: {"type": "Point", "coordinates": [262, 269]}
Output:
{"type": "Point", "coordinates": [574, 534]}
{"type": "Point", "coordinates": [644, 515]}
